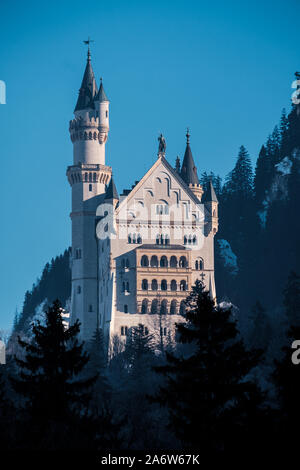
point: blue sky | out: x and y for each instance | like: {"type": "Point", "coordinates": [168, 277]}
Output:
{"type": "Point", "coordinates": [222, 68]}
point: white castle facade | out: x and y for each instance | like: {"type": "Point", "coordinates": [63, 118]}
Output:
{"type": "Point", "coordinates": [134, 256]}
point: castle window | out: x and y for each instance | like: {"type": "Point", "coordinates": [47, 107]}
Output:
{"type": "Point", "coordinates": [77, 253]}
{"type": "Point", "coordinates": [106, 113]}
{"type": "Point", "coordinates": [182, 307]}
{"type": "Point", "coordinates": [134, 238]}
{"type": "Point", "coordinates": [173, 307]}
{"type": "Point", "coordinates": [127, 263]}
{"type": "Point", "coordinates": [163, 262]}
{"type": "Point", "coordinates": [144, 284]}
{"type": "Point", "coordinates": [145, 306]}
{"type": "Point", "coordinates": [144, 261]}
{"type": "Point", "coordinates": [194, 240]}
{"type": "Point", "coordinates": [164, 307]}
{"type": "Point", "coordinates": [90, 187]}
{"type": "Point", "coordinates": [90, 308]}
{"type": "Point", "coordinates": [183, 285]}
{"type": "Point", "coordinates": [139, 239]}
{"type": "Point", "coordinates": [164, 284]}
{"type": "Point", "coordinates": [183, 262]}
{"type": "Point", "coordinates": [173, 262]}
{"type": "Point", "coordinates": [154, 285]}
{"type": "Point", "coordinates": [95, 176]}
{"type": "Point", "coordinates": [86, 177]}
{"type": "Point", "coordinates": [129, 238]}
{"type": "Point", "coordinates": [127, 286]}
{"type": "Point", "coordinates": [78, 289]}
{"type": "Point", "coordinates": [167, 240]}
{"type": "Point", "coordinates": [173, 285]}
{"type": "Point", "coordinates": [154, 306]}
{"type": "Point", "coordinates": [124, 330]}
{"type": "Point", "coordinates": [157, 239]}
{"type": "Point", "coordinates": [185, 240]}
{"type": "Point", "coordinates": [154, 261]}
{"type": "Point", "coordinates": [126, 310]}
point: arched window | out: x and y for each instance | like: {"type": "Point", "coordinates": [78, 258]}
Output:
{"type": "Point", "coordinates": [201, 264]}
{"type": "Point", "coordinates": [154, 306]}
{"type": "Point", "coordinates": [182, 307]}
{"type": "Point", "coordinates": [194, 240]}
{"type": "Point", "coordinates": [129, 238]}
{"type": "Point", "coordinates": [183, 285]}
{"type": "Point", "coordinates": [185, 239]}
{"type": "Point", "coordinates": [126, 310]}
{"type": "Point", "coordinates": [164, 307]}
{"type": "Point", "coordinates": [90, 187]}
{"type": "Point", "coordinates": [154, 261]}
{"type": "Point", "coordinates": [86, 177]}
{"type": "Point", "coordinates": [144, 284]}
{"type": "Point", "coordinates": [183, 262]}
{"type": "Point", "coordinates": [134, 238]}
{"type": "Point", "coordinates": [173, 262]}
{"type": "Point", "coordinates": [95, 177]}
{"type": "Point", "coordinates": [145, 306]}
{"type": "Point", "coordinates": [123, 286]}
{"type": "Point", "coordinates": [164, 285]}
{"type": "Point", "coordinates": [190, 239]}
{"type": "Point", "coordinates": [167, 240]}
{"type": "Point", "coordinates": [127, 286]}
{"type": "Point", "coordinates": [90, 136]}
{"type": "Point", "coordinates": [173, 307]}
{"type": "Point", "coordinates": [173, 285]}
{"type": "Point", "coordinates": [90, 177]}
{"type": "Point", "coordinates": [90, 308]}
{"type": "Point", "coordinates": [154, 284]}
{"type": "Point", "coordinates": [144, 261]}
{"type": "Point", "coordinates": [157, 239]}
{"type": "Point", "coordinates": [139, 238]}
{"type": "Point", "coordinates": [163, 262]}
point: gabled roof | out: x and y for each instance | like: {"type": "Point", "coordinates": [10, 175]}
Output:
{"type": "Point", "coordinates": [188, 170]}
{"type": "Point", "coordinates": [111, 192]}
{"type": "Point", "coordinates": [209, 194]}
{"type": "Point", "coordinates": [88, 88]}
{"type": "Point", "coordinates": [149, 172]}
{"type": "Point", "coordinates": [101, 95]}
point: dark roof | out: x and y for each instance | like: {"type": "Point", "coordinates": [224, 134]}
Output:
{"type": "Point", "coordinates": [188, 170]}
{"type": "Point", "coordinates": [101, 95]}
{"type": "Point", "coordinates": [111, 192]}
{"type": "Point", "coordinates": [88, 88]}
{"type": "Point", "coordinates": [209, 194]}
{"type": "Point", "coordinates": [162, 247]}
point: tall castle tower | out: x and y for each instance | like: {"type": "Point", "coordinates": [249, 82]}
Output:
{"type": "Point", "coordinates": [88, 177]}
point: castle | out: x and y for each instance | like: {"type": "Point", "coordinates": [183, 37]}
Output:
{"type": "Point", "coordinates": [134, 256]}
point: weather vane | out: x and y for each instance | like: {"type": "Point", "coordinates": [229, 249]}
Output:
{"type": "Point", "coordinates": [88, 41]}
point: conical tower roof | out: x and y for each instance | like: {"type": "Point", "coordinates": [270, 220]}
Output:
{"type": "Point", "coordinates": [210, 194]}
{"type": "Point", "coordinates": [88, 89]}
{"type": "Point", "coordinates": [188, 170]}
{"type": "Point", "coordinates": [101, 95]}
{"type": "Point", "coordinates": [111, 192]}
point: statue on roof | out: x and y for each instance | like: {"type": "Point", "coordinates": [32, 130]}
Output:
{"type": "Point", "coordinates": [162, 144]}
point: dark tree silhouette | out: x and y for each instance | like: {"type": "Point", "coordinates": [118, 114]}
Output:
{"type": "Point", "coordinates": [209, 392]}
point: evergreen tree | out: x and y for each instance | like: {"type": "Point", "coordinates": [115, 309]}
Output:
{"type": "Point", "coordinates": [208, 392]}
{"type": "Point", "coordinates": [262, 179]}
{"type": "Point", "coordinates": [260, 333]}
{"type": "Point", "coordinates": [97, 366]}
{"type": "Point", "coordinates": [55, 399]}
{"type": "Point", "coordinates": [292, 299]}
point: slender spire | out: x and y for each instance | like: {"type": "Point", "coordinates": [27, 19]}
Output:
{"type": "Point", "coordinates": [111, 192]}
{"type": "Point", "coordinates": [210, 194]}
{"type": "Point", "coordinates": [88, 88]}
{"type": "Point", "coordinates": [188, 170]}
{"type": "Point", "coordinates": [101, 95]}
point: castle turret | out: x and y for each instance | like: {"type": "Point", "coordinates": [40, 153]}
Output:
{"type": "Point", "coordinates": [112, 196]}
{"type": "Point", "coordinates": [189, 171]}
{"type": "Point", "coordinates": [211, 202]}
{"type": "Point", "coordinates": [88, 177]}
